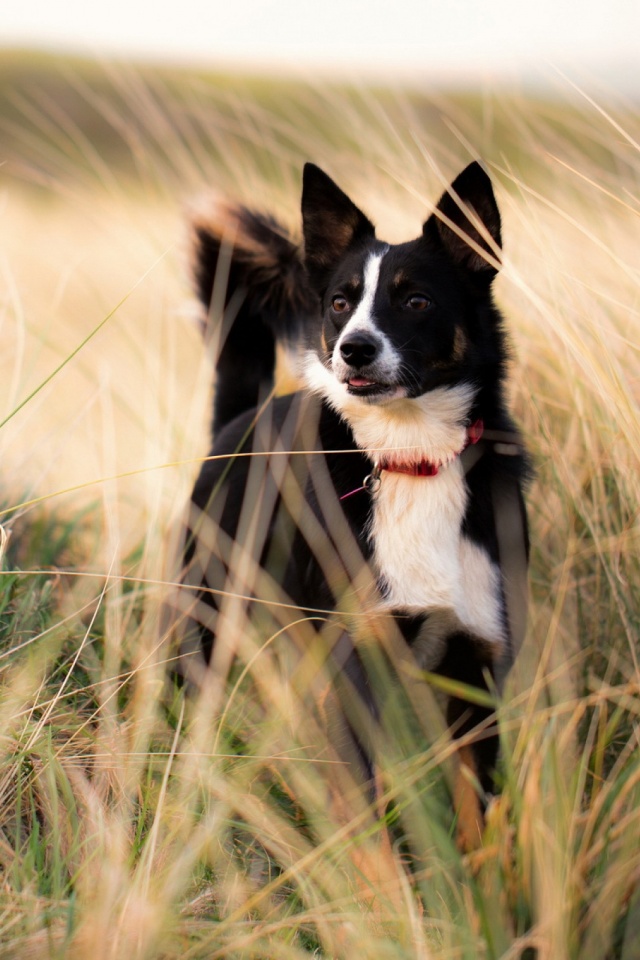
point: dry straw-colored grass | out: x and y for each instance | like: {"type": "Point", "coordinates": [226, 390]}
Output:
{"type": "Point", "coordinates": [135, 822]}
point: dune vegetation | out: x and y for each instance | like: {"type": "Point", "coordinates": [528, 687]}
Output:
{"type": "Point", "coordinates": [137, 821]}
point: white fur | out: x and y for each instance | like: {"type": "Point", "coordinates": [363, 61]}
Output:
{"type": "Point", "coordinates": [419, 552]}
{"type": "Point", "coordinates": [363, 315]}
{"type": "Point", "coordinates": [430, 427]}
{"type": "Point", "coordinates": [422, 557]}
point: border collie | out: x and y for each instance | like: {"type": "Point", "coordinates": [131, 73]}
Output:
{"type": "Point", "coordinates": [396, 474]}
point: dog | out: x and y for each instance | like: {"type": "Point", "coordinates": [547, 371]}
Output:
{"type": "Point", "coordinates": [396, 475]}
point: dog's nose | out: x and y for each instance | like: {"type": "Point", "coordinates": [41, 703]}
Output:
{"type": "Point", "coordinates": [359, 349]}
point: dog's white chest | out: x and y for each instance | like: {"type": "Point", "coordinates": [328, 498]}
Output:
{"type": "Point", "coordinates": [422, 557]}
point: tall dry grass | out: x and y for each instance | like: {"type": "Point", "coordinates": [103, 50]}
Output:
{"type": "Point", "coordinates": [137, 822]}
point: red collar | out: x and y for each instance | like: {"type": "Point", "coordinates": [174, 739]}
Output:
{"type": "Point", "coordinates": [427, 468]}
{"type": "Point", "coordinates": [421, 468]}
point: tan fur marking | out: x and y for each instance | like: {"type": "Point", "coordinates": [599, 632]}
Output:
{"type": "Point", "coordinates": [470, 819]}
{"type": "Point", "coordinates": [459, 345]}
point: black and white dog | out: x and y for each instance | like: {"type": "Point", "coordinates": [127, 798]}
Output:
{"type": "Point", "coordinates": [398, 458]}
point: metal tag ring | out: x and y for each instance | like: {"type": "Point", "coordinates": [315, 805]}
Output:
{"type": "Point", "coordinates": [371, 482]}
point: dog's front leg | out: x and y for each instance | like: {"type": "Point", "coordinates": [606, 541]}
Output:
{"type": "Point", "coordinates": [442, 648]}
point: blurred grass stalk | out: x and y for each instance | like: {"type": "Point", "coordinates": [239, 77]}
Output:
{"type": "Point", "coordinates": [137, 822]}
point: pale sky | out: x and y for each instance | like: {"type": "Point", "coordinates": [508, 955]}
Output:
{"type": "Point", "coordinates": [598, 37]}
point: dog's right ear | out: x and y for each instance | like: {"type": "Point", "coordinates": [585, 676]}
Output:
{"type": "Point", "coordinates": [331, 224]}
{"type": "Point", "coordinates": [467, 221]}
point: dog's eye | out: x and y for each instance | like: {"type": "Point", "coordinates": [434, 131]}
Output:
{"type": "Point", "coordinates": [340, 304]}
{"type": "Point", "coordinates": [418, 301]}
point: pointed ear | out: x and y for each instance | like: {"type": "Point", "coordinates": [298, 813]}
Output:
{"type": "Point", "coordinates": [467, 221]}
{"type": "Point", "coordinates": [331, 223]}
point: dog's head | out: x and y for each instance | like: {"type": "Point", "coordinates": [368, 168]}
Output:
{"type": "Point", "coordinates": [399, 321]}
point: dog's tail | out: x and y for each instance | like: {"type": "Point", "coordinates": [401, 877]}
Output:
{"type": "Point", "coordinates": [249, 276]}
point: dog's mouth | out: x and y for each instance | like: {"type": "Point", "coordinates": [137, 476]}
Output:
{"type": "Point", "coordinates": [364, 387]}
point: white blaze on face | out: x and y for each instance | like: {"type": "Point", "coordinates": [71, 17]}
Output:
{"type": "Point", "coordinates": [362, 321]}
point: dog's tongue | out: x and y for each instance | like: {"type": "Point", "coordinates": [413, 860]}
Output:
{"type": "Point", "coordinates": [360, 382]}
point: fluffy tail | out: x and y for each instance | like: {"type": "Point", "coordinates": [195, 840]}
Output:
{"type": "Point", "coordinates": [249, 276]}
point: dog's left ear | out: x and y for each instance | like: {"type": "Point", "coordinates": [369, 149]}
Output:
{"type": "Point", "coordinates": [467, 222]}
{"type": "Point", "coordinates": [331, 223]}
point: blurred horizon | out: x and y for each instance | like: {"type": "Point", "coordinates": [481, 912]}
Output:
{"type": "Point", "coordinates": [461, 43]}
